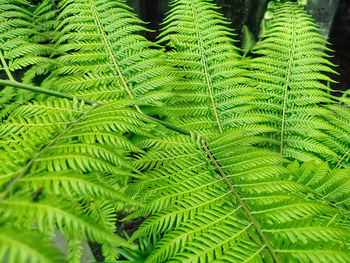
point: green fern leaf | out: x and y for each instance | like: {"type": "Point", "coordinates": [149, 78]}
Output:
{"type": "Point", "coordinates": [339, 136]}
{"type": "Point", "coordinates": [64, 150]}
{"type": "Point", "coordinates": [74, 251]}
{"type": "Point", "coordinates": [228, 201]}
{"type": "Point", "coordinates": [53, 210]}
{"type": "Point", "coordinates": [105, 56]}
{"type": "Point", "coordinates": [210, 95]}
{"type": "Point", "coordinates": [19, 245]}
{"type": "Point", "coordinates": [329, 186]}
{"type": "Point", "coordinates": [26, 31]}
{"type": "Point", "coordinates": [75, 163]}
{"type": "Point", "coordinates": [288, 75]}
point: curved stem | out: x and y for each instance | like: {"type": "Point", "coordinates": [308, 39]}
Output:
{"type": "Point", "coordinates": [35, 89]}
{"type": "Point", "coordinates": [111, 55]}
{"type": "Point", "coordinates": [241, 202]}
{"type": "Point", "coordinates": [205, 68]}
{"type": "Point", "coordinates": [4, 64]}
{"type": "Point", "coordinates": [342, 159]}
{"type": "Point", "coordinates": [30, 163]}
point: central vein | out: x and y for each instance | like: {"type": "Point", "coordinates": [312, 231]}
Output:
{"type": "Point", "coordinates": [205, 66]}
{"type": "Point", "coordinates": [286, 84]}
{"type": "Point", "coordinates": [238, 197]}
{"type": "Point", "coordinates": [110, 53]}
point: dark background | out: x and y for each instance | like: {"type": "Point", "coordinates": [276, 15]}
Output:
{"type": "Point", "coordinates": [333, 16]}
{"type": "Point", "coordinates": [340, 39]}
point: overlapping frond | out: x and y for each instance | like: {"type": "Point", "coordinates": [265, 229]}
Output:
{"type": "Point", "coordinates": [80, 155]}
{"type": "Point", "coordinates": [327, 185]}
{"type": "Point", "coordinates": [211, 95]}
{"type": "Point", "coordinates": [288, 73]}
{"type": "Point", "coordinates": [19, 245]}
{"type": "Point", "coordinates": [210, 193]}
{"type": "Point", "coordinates": [94, 135]}
{"type": "Point", "coordinates": [227, 201]}
{"type": "Point", "coordinates": [26, 32]}
{"type": "Point", "coordinates": [106, 57]}
{"type": "Point", "coordinates": [67, 165]}
{"type": "Point", "coordinates": [339, 136]}
{"type": "Point", "coordinates": [53, 210]}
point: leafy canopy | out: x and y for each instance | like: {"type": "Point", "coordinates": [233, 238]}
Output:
{"type": "Point", "coordinates": [204, 144]}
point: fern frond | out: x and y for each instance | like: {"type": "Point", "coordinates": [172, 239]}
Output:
{"type": "Point", "coordinates": [288, 73]}
{"type": "Point", "coordinates": [77, 162]}
{"type": "Point", "coordinates": [20, 245]}
{"type": "Point", "coordinates": [54, 210]}
{"type": "Point", "coordinates": [105, 213]}
{"type": "Point", "coordinates": [74, 250]}
{"type": "Point", "coordinates": [211, 95]}
{"type": "Point", "coordinates": [64, 150]}
{"type": "Point", "coordinates": [227, 201]}
{"type": "Point", "coordinates": [75, 185]}
{"type": "Point", "coordinates": [70, 140]}
{"type": "Point", "coordinates": [26, 31]}
{"type": "Point", "coordinates": [339, 137]}
{"type": "Point", "coordinates": [330, 186]}
{"type": "Point", "coordinates": [105, 56]}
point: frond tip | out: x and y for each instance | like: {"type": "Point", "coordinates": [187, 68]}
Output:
{"type": "Point", "coordinates": [210, 94]}
{"type": "Point", "coordinates": [105, 57]}
{"type": "Point", "coordinates": [289, 72]}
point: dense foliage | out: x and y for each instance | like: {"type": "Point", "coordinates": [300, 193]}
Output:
{"type": "Point", "coordinates": [225, 156]}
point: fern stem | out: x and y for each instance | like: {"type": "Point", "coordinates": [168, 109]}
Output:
{"type": "Point", "coordinates": [53, 93]}
{"type": "Point", "coordinates": [112, 57]}
{"type": "Point", "coordinates": [205, 67]}
{"type": "Point", "coordinates": [169, 125]}
{"type": "Point", "coordinates": [342, 159]}
{"type": "Point", "coordinates": [30, 163]}
{"type": "Point", "coordinates": [241, 202]}
{"type": "Point", "coordinates": [58, 94]}
{"type": "Point", "coordinates": [286, 85]}
{"type": "Point", "coordinates": [123, 80]}
{"type": "Point", "coordinates": [4, 64]}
